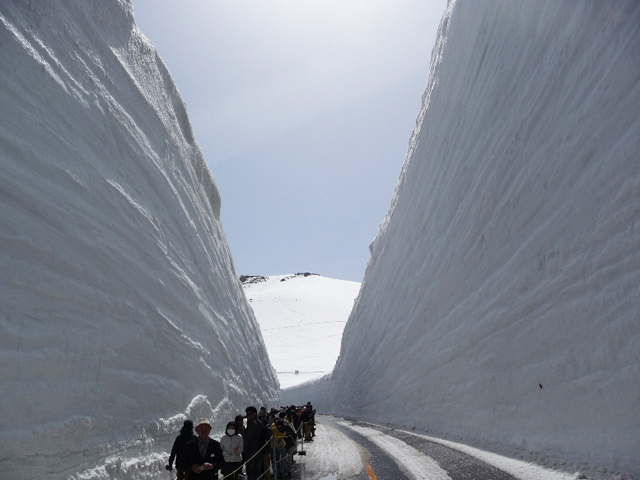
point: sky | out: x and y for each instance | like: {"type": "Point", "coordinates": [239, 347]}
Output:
{"type": "Point", "coordinates": [303, 110]}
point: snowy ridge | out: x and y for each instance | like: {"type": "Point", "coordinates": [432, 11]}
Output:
{"type": "Point", "coordinates": [120, 310]}
{"type": "Point", "coordinates": [302, 317]}
{"type": "Point", "coordinates": [501, 304]}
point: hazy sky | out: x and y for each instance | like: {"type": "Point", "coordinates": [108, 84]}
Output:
{"type": "Point", "coordinates": [303, 109]}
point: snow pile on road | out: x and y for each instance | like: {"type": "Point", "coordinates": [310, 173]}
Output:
{"type": "Point", "coordinates": [501, 304]}
{"type": "Point", "coordinates": [302, 317]}
{"type": "Point", "coordinates": [121, 313]}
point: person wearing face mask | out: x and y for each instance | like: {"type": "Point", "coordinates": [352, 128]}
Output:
{"type": "Point", "coordinates": [232, 445]}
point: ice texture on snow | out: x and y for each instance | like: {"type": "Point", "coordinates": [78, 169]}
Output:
{"type": "Point", "coordinates": [120, 311]}
{"type": "Point", "coordinates": [501, 303]}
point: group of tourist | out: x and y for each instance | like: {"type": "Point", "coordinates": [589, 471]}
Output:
{"type": "Point", "coordinates": [266, 442]}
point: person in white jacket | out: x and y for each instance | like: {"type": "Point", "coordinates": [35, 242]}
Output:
{"type": "Point", "coordinates": [232, 445]}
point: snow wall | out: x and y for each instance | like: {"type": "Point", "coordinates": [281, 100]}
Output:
{"type": "Point", "coordinates": [120, 311]}
{"type": "Point", "coordinates": [501, 303]}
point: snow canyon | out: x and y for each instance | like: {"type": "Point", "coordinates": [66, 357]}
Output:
{"type": "Point", "coordinates": [501, 304]}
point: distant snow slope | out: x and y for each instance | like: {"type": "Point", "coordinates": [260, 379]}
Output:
{"type": "Point", "coordinates": [120, 311]}
{"type": "Point", "coordinates": [501, 304]}
{"type": "Point", "coordinates": [302, 317]}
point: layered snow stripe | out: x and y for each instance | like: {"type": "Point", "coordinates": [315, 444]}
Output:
{"type": "Point", "coordinates": [120, 310]}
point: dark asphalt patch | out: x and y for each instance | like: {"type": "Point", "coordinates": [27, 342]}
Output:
{"type": "Point", "coordinates": [458, 465]}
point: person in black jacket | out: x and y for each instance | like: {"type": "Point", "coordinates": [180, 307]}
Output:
{"type": "Point", "coordinates": [265, 437]}
{"type": "Point", "coordinates": [252, 445]}
{"type": "Point", "coordinates": [177, 452]}
{"type": "Point", "coordinates": [204, 454]}
{"type": "Point", "coordinates": [294, 420]}
{"type": "Point", "coordinates": [308, 422]}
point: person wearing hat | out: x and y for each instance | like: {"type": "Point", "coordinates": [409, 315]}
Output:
{"type": "Point", "coordinates": [204, 454]}
{"type": "Point", "coordinates": [177, 451]}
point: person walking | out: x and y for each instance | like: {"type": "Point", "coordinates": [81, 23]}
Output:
{"type": "Point", "coordinates": [252, 445]}
{"type": "Point", "coordinates": [204, 454]}
{"type": "Point", "coordinates": [294, 420]}
{"type": "Point", "coordinates": [232, 445]}
{"type": "Point", "coordinates": [265, 440]}
{"type": "Point", "coordinates": [178, 449]}
{"type": "Point", "coordinates": [240, 429]}
{"type": "Point", "coordinates": [240, 424]}
{"type": "Point", "coordinates": [307, 420]}
{"type": "Point", "coordinates": [291, 444]}
{"type": "Point", "coordinates": [279, 461]}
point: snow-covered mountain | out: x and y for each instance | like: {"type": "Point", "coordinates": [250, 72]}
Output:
{"type": "Point", "coordinates": [120, 310]}
{"type": "Point", "coordinates": [501, 303]}
{"type": "Point", "coordinates": [302, 317]}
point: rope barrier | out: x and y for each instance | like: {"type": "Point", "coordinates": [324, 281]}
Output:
{"type": "Point", "coordinates": [239, 469]}
{"type": "Point", "coordinates": [247, 461]}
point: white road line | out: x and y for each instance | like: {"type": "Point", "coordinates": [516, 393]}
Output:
{"type": "Point", "coordinates": [411, 461]}
{"type": "Point", "coordinates": [518, 468]}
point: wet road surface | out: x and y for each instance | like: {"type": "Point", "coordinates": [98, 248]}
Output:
{"type": "Point", "coordinates": [382, 463]}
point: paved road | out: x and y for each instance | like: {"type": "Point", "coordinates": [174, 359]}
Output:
{"type": "Point", "coordinates": [390, 456]}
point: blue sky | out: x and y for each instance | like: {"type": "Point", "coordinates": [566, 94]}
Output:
{"type": "Point", "coordinates": [303, 110]}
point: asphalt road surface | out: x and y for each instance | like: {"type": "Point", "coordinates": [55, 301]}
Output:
{"type": "Point", "coordinates": [384, 454]}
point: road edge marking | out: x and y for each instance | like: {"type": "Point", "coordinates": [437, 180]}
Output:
{"type": "Point", "coordinates": [372, 476]}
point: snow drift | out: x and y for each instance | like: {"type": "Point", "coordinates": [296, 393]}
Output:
{"type": "Point", "coordinates": [120, 310]}
{"type": "Point", "coordinates": [501, 303]}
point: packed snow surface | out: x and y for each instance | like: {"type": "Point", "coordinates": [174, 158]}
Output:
{"type": "Point", "coordinates": [517, 468]}
{"type": "Point", "coordinates": [120, 310]}
{"type": "Point", "coordinates": [501, 303]}
{"type": "Point", "coordinates": [332, 455]}
{"type": "Point", "coordinates": [333, 451]}
{"type": "Point", "coordinates": [302, 317]}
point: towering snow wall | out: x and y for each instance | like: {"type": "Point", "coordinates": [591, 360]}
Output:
{"type": "Point", "coordinates": [501, 303]}
{"type": "Point", "coordinates": [120, 311]}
